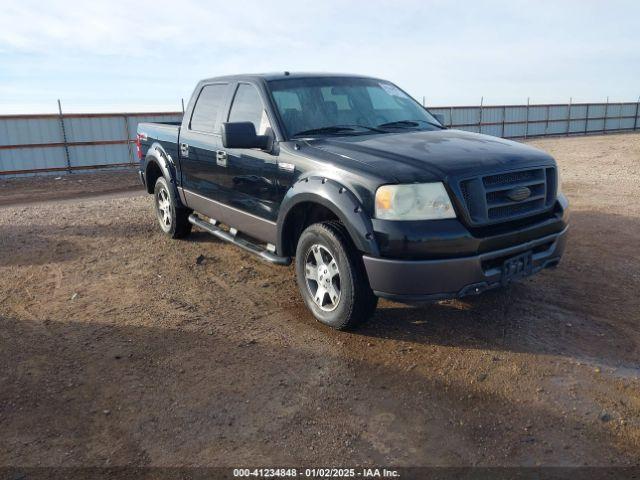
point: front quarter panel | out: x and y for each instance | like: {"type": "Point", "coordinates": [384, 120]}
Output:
{"type": "Point", "coordinates": [337, 198]}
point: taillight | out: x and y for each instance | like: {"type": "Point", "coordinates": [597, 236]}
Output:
{"type": "Point", "coordinates": [139, 146]}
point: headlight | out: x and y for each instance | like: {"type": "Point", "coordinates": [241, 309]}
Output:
{"type": "Point", "coordinates": [424, 201]}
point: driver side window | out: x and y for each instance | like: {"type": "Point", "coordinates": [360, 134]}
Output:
{"type": "Point", "coordinates": [247, 107]}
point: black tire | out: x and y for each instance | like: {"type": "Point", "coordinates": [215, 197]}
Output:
{"type": "Point", "coordinates": [173, 220]}
{"type": "Point", "coordinates": [355, 301]}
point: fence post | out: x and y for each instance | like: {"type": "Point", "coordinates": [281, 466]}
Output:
{"type": "Point", "coordinates": [546, 125]}
{"type": "Point", "coordinates": [569, 116]}
{"type": "Point", "coordinates": [604, 123]}
{"type": "Point", "coordinates": [586, 120]}
{"type": "Point", "coordinates": [480, 116]}
{"type": "Point", "coordinates": [64, 137]}
{"type": "Point", "coordinates": [451, 117]}
{"type": "Point", "coordinates": [129, 146]}
{"type": "Point", "coordinates": [504, 116]}
{"type": "Point", "coordinates": [526, 122]}
{"type": "Point", "coordinates": [635, 120]}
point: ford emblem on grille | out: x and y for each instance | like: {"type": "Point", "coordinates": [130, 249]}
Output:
{"type": "Point", "coordinates": [519, 194]}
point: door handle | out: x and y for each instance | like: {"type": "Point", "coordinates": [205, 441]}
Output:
{"type": "Point", "coordinates": [184, 150]}
{"type": "Point", "coordinates": [221, 158]}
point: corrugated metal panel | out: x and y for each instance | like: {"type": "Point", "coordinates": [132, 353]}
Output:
{"type": "Point", "coordinates": [516, 113]}
{"type": "Point", "coordinates": [558, 112]}
{"type": "Point", "coordinates": [514, 130]}
{"type": "Point", "coordinates": [628, 109]}
{"type": "Point", "coordinates": [495, 130]}
{"type": "Point", "coordinates": [32, 159]}
{"type": "Point", "coordinates": [597, 110]}
{"type": "Point", "coordinates": [557, 128]}
{"type": "Point", "coordinates": [22, 131]}
{"type": "Point", "coordinates": [577, 126]}
{"type": "Point", "coordinates": [537, 113]}
{"type": "Point", "coordinates": [98, 155]}
{"type": "Point", "coordinates": [492, 114]}
{"type": "Point", "coordinates": [95, 129]}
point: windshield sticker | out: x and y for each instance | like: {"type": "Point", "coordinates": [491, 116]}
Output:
{"type": "Point", "coordinates": [392, 90]}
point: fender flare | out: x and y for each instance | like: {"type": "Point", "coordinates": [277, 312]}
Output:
{"type": "Point", "coordinates": [156, 154]}
{"type": "Point", "coordinates": [337, 198]}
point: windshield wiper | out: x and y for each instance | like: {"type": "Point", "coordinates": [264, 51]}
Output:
{"type": "Point", "coordinates": [408, 124]}
{"type": "Point", "coordinates": [337, 129]}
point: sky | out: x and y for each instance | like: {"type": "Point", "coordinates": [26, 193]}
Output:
{"type": "Point", "coordinates": [146, 55]}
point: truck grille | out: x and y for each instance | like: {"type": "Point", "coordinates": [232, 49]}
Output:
{"type": "Point", "coordinates": [508, 196]}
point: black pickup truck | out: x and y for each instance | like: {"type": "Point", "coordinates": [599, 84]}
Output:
{"type": "Point", "coordinates": [369, 192]}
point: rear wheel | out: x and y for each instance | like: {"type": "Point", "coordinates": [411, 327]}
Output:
{"type": "Point", "coordinates": [331, 276]}
{"type": "Point", "coordinates": [173, 220]}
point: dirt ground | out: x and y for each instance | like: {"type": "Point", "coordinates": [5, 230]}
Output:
{"type": "Point", "coordinates": [119, 348]}
{"type": "Point", "coordinates": [27, 190]}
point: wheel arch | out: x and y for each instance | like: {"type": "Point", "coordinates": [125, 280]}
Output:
{"type": "Point", "coordinates": [158, 162]}
{"type": "Point", "coordinates": [334, 202]}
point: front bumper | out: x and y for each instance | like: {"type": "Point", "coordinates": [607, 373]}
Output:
{"type": "Point", "coordinates": [428, 280]}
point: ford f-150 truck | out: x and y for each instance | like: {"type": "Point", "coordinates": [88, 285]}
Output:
{"type": "Point", "coordinates": [353, 178]}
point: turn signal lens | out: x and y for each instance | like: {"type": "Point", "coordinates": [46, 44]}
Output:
{"type": "Point", "coordinates": [384, 196]}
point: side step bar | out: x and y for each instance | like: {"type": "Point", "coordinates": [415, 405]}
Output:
{"type": "Point", "coordinates": [213, 229]}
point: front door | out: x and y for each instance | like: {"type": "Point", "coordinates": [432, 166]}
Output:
{"type": "Point", "coordinates": [248, 176]}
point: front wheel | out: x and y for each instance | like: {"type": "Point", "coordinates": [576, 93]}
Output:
{"type": "Point", "coordinates": [331, 277]}
{"type": "Point", "coordinates": [173, 220]}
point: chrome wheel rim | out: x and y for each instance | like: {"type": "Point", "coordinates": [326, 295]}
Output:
{"type": "Point", "coordinates": [322, 276]}
{"type": "Point", "coordinates": [164, 208]}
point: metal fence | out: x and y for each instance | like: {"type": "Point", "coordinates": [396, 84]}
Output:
{"type": "Point", "coordinates": [35, 144]}
{"type": "Point", "coordinates": [522, 121]}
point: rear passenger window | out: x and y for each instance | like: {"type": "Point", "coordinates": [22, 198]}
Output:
{"type": "Point", "coordinates": [207, 110]}
{"type": "Point", "coordinates": [247, 107]}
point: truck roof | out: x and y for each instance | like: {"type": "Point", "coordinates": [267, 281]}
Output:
{"type": "Point", "coordinates": [282, 75]}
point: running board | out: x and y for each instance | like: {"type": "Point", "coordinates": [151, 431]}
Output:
{"type": "Point", "coordinates": [213, 229]}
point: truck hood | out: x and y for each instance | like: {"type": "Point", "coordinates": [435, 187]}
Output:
{"type": "Point", "coordinates": [432, 155]}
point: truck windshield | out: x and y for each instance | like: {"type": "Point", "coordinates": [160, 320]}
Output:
{"type": "Point", "coordinates": [346, 106]}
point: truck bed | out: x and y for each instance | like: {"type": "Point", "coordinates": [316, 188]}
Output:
{"type": "Point", "coordinates": [164, 132]}
{"type": "Point", "coordinates": [167, 134]}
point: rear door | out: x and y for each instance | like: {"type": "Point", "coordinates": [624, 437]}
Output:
{"type": "Point", "coordinates": [199, 143]}
{"type": "Point", "coordinates": [248, 176]}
